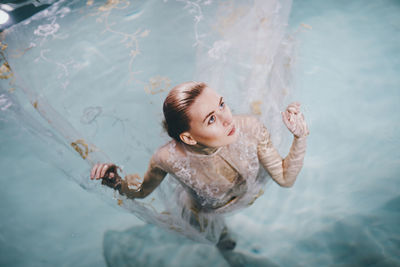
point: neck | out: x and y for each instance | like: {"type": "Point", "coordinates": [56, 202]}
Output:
{"type": "Point", "coordinates": [201, 149]}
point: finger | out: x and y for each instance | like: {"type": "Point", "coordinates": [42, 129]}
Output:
{"type": "Point", "coordinates": [289, 121]}
{"type": "Point", "coordinates": [103, 170]}
{"type": "Point", "coordinates": [292, 118]}
{"type": "Point", "coordinates": [98, 171]}
{"type": "Point", "coordinates": [291, 109]}
{"type": "Point", "coordinates": [92, 173]}
{"type": "Point", "coordinates": [294, 108]}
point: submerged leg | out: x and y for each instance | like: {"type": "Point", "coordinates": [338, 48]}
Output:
{"type": "Point", "coordinates": [226, 241]}
{"type": "Point", "coordinates": [213, 227]}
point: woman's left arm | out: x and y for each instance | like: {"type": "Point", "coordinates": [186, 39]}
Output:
{"type": "Point", "coordinates": [285, 171]}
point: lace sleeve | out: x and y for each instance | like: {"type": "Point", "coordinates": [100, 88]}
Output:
{"type": "Point", "coordinates": [152, 178]}
{"type": "Point", "coordinates": [283, 171]}
{"type": "Point", "coordinates": [268, 155]}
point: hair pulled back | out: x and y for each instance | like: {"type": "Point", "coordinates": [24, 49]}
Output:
{"type": "Point", "coordinates": [176, 107]}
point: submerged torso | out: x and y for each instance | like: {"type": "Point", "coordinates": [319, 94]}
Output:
{"type": "Point", "coordinates": [229, 176]}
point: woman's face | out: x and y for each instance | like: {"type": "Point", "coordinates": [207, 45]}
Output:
{"type": "Point", "coordinates": [211, 121]}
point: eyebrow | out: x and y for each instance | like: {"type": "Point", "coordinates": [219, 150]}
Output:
{"type": "Point", "coordinates": [209, 114]}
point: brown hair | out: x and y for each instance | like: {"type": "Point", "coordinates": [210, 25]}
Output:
{"type": "Point", "coordinates": [176, 106]}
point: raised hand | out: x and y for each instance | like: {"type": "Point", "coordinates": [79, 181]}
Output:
{"type": "Point", "coordinates": [294, 120]}
{"type": "Point", "coordinates": [108, 172]}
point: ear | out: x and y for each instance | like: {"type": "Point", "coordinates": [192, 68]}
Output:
{"type": "Point", "coordinates": [187, 138]}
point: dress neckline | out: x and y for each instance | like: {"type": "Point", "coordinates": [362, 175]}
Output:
{"type": "Point", "coordinates": [199, 154]}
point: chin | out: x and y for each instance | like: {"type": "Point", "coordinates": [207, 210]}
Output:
{"type": "Point", "coordinates": [229, 139]}
{"type": "Point", "coordinates": [220, 141]}
{"type": "Point", "coordinates": [233, 138]}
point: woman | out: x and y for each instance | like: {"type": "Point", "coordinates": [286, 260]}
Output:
{"type": "Point", "coordinates": [215, 157]}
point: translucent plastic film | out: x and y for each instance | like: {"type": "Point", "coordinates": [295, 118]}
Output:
{"type": "Point", "coordinates": [90, 77]}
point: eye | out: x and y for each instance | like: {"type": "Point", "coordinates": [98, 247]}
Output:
{"type": "Point", "coordinates": [222, 105]}
{"type": "Point", "coordinates": [212, 119]}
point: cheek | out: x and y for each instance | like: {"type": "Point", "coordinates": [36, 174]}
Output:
{"type": "Point", "coordinates": [218, 132]}
{"type": "Point", "coordinates": [210, 133]}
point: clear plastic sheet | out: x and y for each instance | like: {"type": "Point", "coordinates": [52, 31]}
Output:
{"type": "Point", "coordinates": [89, 77]}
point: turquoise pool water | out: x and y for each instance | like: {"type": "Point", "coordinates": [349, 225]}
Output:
{"type": "Point", "coordinates": [342, 211]}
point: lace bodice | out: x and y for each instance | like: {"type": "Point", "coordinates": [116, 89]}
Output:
{"type": "Point", "coordinates": [222, 178]}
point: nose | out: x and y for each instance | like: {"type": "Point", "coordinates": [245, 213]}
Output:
{"type": "Point", "coordinates": [226, 118]}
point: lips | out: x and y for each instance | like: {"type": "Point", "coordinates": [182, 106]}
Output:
{"type": "Point", "coordinates": [233, 130]}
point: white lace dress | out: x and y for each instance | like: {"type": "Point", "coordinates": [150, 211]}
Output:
{"type": "Point", "coordinates": [222, 181]}
{"type": "Point", "coordinates": [227, 180]}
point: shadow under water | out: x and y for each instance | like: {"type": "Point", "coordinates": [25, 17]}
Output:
{"type": "Point", "coordinates": [355, 240]}
{"type": "Point", "coordinates": [351, 241]}
{"type": "Point", "coordinates": [148, 245]}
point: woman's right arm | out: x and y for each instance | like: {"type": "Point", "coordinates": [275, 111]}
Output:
{"type": "Point", "coordinates": [152, 178]}
{"type": "Point", "coordinates": [132, 186]}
